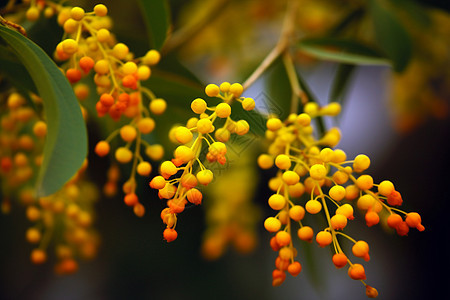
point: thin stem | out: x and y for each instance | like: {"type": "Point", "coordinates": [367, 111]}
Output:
{"type": "Point", "coordinates": [281, 46]}
{"type": "Point", "coordinates": [297, 91]}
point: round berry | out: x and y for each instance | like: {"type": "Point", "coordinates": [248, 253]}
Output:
{"type": "Point", "coordinates": [151, 58]}
{"type": "Point", "coordinates": [273, 124]}
{"type": "Point", "coordinates": [146, 125]}
{"type": "Point", "coordinates": [170, 235]}
{"type": "Point", "coordinates": [283, 162]}
{"type": "Point", "coordinates": [318, 171]}
{"type": "Point", "coordinates": [204, 126]}
{"type": "Point", "coordinates": [236, 89]}
{"type": "Point", "coordinates": [283, 238]}
{"type": "Point", "coordinates": [205, 177]}
{"type": "Point", "coordinates": [313, 207]}
{"type": "Point", "coordinates": [338, 221]}
{"type": "Point", "coordinates": [248, 104]}
{"type": "Point", "coordinates": [296, 213]}
{"type": "Point", "coordinates": [183, 135]}
{"type": "Point", "coordinates": [305, 233]}
{"type": "Point", "coordinates": [339, 260]}
{"type": "Point", "coordinates": [385, 188]}
{"type": "Point", "coordinates": [102, 148]}
{"type": "Point", "coordinates": [324, 238]}
{"type": "Point", "coordinates": [242, 127]}
{"type": "Point", "coordinates": [361, 163]}
{"type": "Point", "coordinates": [272, 224]}
{"type": "Point", "coordinates": [123, 155]}
{"type": "Point", "coordinates": [277, 201]}
{"type": "Point", "coordinates": [120, 51]}
{"type": "Point", "coordinates": [337, 192]}
{"type": "Point", "coordinates": [144, 168]}
{"type": "Point", "coordinates": [223, 110]}
{"type": "Point", "coordinates": [131, 199]}
{"type": "Point", "coordinates": [290, 177]}
{"type": "Point", "coordinates": [77, 13]}
{"type": "Point", "coordinates": [158, 106]}
{"type": "Point", "coordinates": [212, 90]}
{"type": "Point", "coordinates": [364, 182]}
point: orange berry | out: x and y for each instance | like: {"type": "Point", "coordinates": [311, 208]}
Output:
{"type": "Point", "coordinates": [414, 220]}
{"type": "Point", "coordinates": [364, 182]}
{"type": "Point", "coordinates": [144, 168]}
{"type": "Point", "coordinates": [356, 272]}
{"type": "Point", "coordinates": [170, 234]}
{"type": "Point", "coordinates": [188, 180]}
{"type": "Point", "coordinates": [73, 75]}
{"type": "Point", "coordinates": [286, 253]}
{"type": "Point", "coordinates": [33, 235]}
{"type": "Point", "coordinates": [158, 182]}
{"type": "Point", "coordinates": [106, 100]}
{"type": "Point", "coordinates": [296, 212]}
{"type": "Point", "coordinates": [86, 63]}
{"type": "Point", "coordinates": [305, 233]}
{"type": "Point", "coordinates": [102, 148]}
{"type": "Point", "coordinates": [194, 196]}
{"type": "Point", "coordinates": [129, 81]}
{"type": "Point", "coordinates": [324, 238]}
{"type": "Point", "coordinates": [131, 199]}
{"type": "Point", "coordinates": [38, 256]}
{"type": "Point", "coordinates": [394, 198]}
{"type": "Point", "coordinates": [338, 221]}
{"type": "Point", "coordinates": [371, 292]}
{"type": "Point", "coordinates": [346, 210]}
{"type": "Point", "coordinates": [139, 210]}
{"type": "Point", "coordinates": [339, 260]}
{"type": "Point", "coordinates": [372, 218]}
{"type": "Point", "coordinates": [361, 249]}
{"type": "Point", "coordinates": [278, 277]}
{"type": "Point", "coordinates": [294, 268]}
{"type": "Point", "coordinates": [283, 238]}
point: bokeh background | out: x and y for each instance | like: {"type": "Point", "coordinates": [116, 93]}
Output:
{"type": "Point", "coordinates": [135, 263]}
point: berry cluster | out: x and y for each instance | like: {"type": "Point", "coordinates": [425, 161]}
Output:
{"type": "Point", "coordinates": [314, 178]}
{"type": "Point", "coordinates": [182, 189]}
{"type": "Point", "coordinates": [63, 220]}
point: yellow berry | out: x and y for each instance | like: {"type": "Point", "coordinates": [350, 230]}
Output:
{"type": "Point", "coordinates": [168, 169]}
{"type": "Point", "coordinates": [123, 155]}
{"type": "Point", "coordinates": [303, 119]}
{"type": "Point", "coordinates": [345, 210]}
{"type": "Point", "coordinates": [242, 127]}
{"type": "Point", "coordinates": [313, 207]}
{"type": "Point", "coordinates": [339, 156]}
{"type": "Point", "coordinates": [151, 58]}
{"type": "Point", "coordinates": [146, 125]}
{"type": "Point", "coordinates": [326, 155]}
{"type": "Point", "coordinates": [204, 126]}
{"type": "Point", "coordinates": [361, 163]}
{"type": "Point", "coordinates": [365, 202]}
{"type": "Point", "coordinates": [337, 192]}
{"type": "Point", "coordinates": [144, 72]}
{"type": "Point", "coordinates": [248, 104]}
{"type": "Point", "coordinates": [69, 46]}
{"type": "Point", "coordinates": [40, 129]}
{"type": "Point", "coordinates": [236, 89]}
{"type": "Point", "coordinates": [77, 13]}
{"type": "Point", "coordinates": [212, 90]}
{"type": "Point", "coordinates": [33, 235]}
{"type": "Point", "coordinates": [283, 162]}
{"type": "Point", "coordinates": [120, 51]}
{"type": "Point", "coordinates": [155, 152]}
{"type": "Point", "coordinates": [158, 106]}
{"type": "Point", "coordinates": [183, 135]}
{"type": "Point", "coordinates": [290, 177]}
{"type": "Point", "coordinates": [205, 177]}
{"type": "Point", "coordinates": [198, 106]}
{"type": "Point", "coordinates": [331, 138]}
{"type": "Point", "coordinates": [351, 192]}
{"type": "Point", "coordinates": [184, 153]}
{"type": "Point", "coordinates": [273, 124]}
{"type": "Point", "coordinates": [144, 168]}
{"type": "Point", "coordinates": [265, 161]}
{"type": "Point", "coordinates": [331, 109]}
{"type": "Point", "coordinates": [223, 110]}
{"type": "Point", "coordinates": [32, 13]}
{"type": "Point", "coordinates": [103, 35]}
{"type": "Point", "coordinates": [272, 224]}
{"type": "Point", "coordinates": [129, 68]}
{"type": "Point", "coordinates": [311, 108]}
{"type": "Point", "coordinates": [385, 188]}
{"type": "Point", "coordinates": [364, 182]}
{"type": "Point", "coordinates": [318, 171]}
{"type": "Point", "coordinates": [277, 201]}
{"type": "Point", "coordinates": [224, 87]}
{"type": "Point", "coordinates": [296, 213]}
{"type": "Point", "coordinates": [296, 190]}
{"type": "Point", "coordinates": [102, 66]}
{"type": "Point", "coordinates": [71, 26]}
{"type": "Point", "coordinates": [128, 133]}
{"type": "Point", "coordinates": [100, 10]}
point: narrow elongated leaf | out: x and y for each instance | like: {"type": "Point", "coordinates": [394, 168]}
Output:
{"type": "Point", "coordinates": [340, 82]}
{"type": "Point", "coordinates": [391, 36]}
{"type": "Point", "coordinates": [342, 51]}
{"type": "Point", "coordinates": [156, 16]}
{"type": "Point", "coordinates": [66, 141]}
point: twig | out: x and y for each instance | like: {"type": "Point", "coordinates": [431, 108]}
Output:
{"type": "Point", "coordinates": [297, 91]}
{"type": "Point", "coordinates": [281, 46]}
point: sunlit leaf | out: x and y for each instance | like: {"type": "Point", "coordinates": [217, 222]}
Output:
{"type": "Point", "coordinates": [66, 141]}
{"type": "Point", "coordinates": [391, 36]}
{"type": "Point", "coordinates": [156, 16]}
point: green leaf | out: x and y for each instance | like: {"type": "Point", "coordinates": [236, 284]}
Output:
{"type": "Point", "coordinates": [391, 36]}
{"type": "Point", "coordinates": [66, 142]}
{"type": "Point", "coordinates": [14, 71]}
{"type": "Point", "coordinates": [342, 51]}
{"type": "Point", "coordinates": [340, 83]}
{"type": "Point", "coordinates": [156, 16]}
